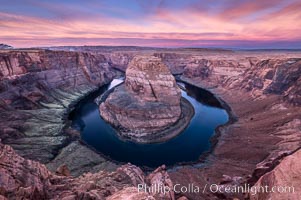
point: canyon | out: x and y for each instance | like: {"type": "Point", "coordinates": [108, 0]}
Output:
{"type": "Point", "coordinates": [43, 157]}
{"type": "Point", "coordinates": [148, 107]}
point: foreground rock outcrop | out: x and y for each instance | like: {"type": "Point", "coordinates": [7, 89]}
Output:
{"type": "Point", "coordinates": [25, 179]}
{"type": "Point", "coordinates": [148, 104]}
{"type": "Point", "coordinates": [283, 182]}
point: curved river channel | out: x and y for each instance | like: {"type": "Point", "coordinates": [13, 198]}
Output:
{"type": "Point", "coordinates": [188, 146]}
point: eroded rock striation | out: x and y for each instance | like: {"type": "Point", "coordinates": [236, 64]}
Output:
{"type": "Point", "coordinates": [148, 103]}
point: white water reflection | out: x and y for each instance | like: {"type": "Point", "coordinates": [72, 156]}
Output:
{"type": "Point", "coordinates": [115, 82]}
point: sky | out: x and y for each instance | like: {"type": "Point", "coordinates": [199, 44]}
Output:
{"type": "Point", "coordinates": [154, 23]}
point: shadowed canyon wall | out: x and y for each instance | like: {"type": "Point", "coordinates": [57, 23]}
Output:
{"type": "Point", "coordinates": [37, 88]}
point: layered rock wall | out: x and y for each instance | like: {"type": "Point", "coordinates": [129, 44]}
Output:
{"type": "Point", "coordinates": [37, 87]}
{"type": "Point", "coordinates": [280, 76]}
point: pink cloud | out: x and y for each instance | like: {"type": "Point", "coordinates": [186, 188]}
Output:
{"type": "Point", "coordinates": [161, 26]}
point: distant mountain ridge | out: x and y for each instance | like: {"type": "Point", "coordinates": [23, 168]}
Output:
{"type": "Point", "coordinates": [5, 46]}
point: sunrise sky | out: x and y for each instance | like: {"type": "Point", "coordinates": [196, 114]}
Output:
{"type": "Point", "coordinates": [159, 23]}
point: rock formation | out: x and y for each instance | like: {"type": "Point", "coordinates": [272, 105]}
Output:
{"type": "Point", "coordinates": [25, 179]}
{"type": "Point", "coordinates": [147, 104]}
{"type": "Point", "coordinates": [258, 76]}
{"type": "Point", "coordinates": [283, 181]}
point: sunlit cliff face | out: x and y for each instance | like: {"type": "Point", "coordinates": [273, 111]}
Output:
{"type": "Point", "coordinates": [169, 23]}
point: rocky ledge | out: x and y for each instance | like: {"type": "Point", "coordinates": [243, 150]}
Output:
{"type": "Point", "coordinates": [148, 107]}
{"type": "Point", "coordinates": [26, 179]}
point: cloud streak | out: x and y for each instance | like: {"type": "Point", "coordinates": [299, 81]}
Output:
{"type": "Point", "coordinates": [163, 23]}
